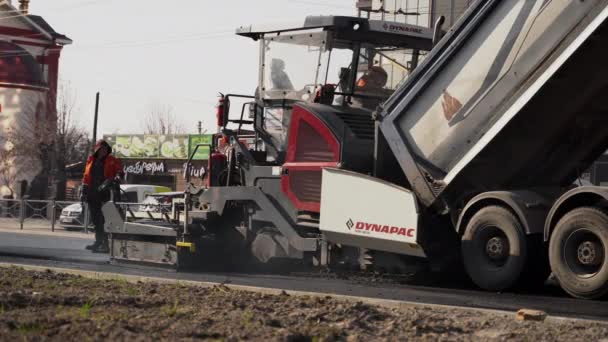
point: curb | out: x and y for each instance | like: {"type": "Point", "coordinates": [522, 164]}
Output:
{"type": "Point", "coordinates": [48, 232]}
{"type": "Point", "coordinates": [386, 303]}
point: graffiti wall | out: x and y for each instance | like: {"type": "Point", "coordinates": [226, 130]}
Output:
{"type": "Point", "coordinates": [159, 146]}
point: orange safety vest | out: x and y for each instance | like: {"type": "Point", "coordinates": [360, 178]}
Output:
{"type": "Point", "coordinates": [111, 167]}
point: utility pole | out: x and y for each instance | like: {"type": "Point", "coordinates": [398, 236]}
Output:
{"type": "Point", "coordinates": [95, 121]}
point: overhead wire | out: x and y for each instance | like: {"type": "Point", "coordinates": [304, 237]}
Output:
{"type": "Point", "coordinates": [80, 4]}
{"type": "Point", "coordinates": [306, 2]}
{"type": "Point", "coordinates": [169, 39]}
{"type": "Point", "coordinates": [17, 13]}
{"type": "Point", "coordinates": [395, 12]}
{"type": "Point", "coordinates": [163, 41]}
{"type": "Point", "coordinates": [196, 36]}
{"type": "Point", "coordinates": [86, 49]}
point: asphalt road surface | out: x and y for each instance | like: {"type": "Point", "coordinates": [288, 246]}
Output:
{"type": "Point", "coordinates": [69, 252]}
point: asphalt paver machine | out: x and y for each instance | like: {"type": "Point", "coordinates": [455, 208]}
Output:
{"type": "Point", "coordinates": [471, 161]}
{"type": "Point", "coordinates": [261, 200]}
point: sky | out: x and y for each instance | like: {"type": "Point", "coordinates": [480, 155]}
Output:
{"type": "Point", "coordinates": [141, 54]}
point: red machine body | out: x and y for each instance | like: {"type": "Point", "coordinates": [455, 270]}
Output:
{"type": "Point", "coordinates": [323, 136]}
{"type": "Point", "coordinates": [311, 147]}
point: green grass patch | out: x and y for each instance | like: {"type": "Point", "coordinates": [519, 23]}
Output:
{"type": "Point", "coordinates": [248, 317]}
{"type": "Point", "coordinates": [175, 309]}
{"type": "Point", "coordinates": [27, 328]}
{"type": "Point", "coordinates": [132, 291]}
{"type": "Point", "coordinates": [85, 309]}
{"type": "Point", "coordinates": [78, 281]}
{"type": "Point", "coordinates": [171, 310]}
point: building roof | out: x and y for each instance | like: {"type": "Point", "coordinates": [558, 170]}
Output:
{"type": "Point", "coordinates": [38, 20]}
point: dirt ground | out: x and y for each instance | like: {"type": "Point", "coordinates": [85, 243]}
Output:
{"type": "Point", "coordinates": [51, 306]}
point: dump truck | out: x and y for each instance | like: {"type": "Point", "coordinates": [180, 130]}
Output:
{"type": "Point", "coordinates": [470, 161]}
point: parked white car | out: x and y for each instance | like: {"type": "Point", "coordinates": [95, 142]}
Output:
{"type": "Point", "coordinates": [72, 216]}
{"type": "Point", "coordinates": [153, 201]}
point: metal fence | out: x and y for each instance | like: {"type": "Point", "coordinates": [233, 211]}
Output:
{"type": "Point", "coordinates": [68, 215]}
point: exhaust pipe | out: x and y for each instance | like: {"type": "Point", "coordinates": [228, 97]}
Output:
{"type": "Point", "coordinates": [437, 30]}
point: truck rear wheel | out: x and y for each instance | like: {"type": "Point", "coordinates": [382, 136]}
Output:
{"type": "Point", "coordinates": [577, 252]}
{"type": "Point", "coordinates": [494, 248]}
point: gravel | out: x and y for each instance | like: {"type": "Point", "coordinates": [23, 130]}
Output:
{"type": "Point", "coordinates": [53, 306]}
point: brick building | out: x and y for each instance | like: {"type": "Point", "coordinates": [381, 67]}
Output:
{"type": "Point", "coordinates": [29, 67]}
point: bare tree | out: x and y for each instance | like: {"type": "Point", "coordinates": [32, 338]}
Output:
{"type": "Point", "coordinates": [160, 119]}
{"type": "Point", "coordinates": [71, 142]}
{"type": "Point", "coordinates": [43, 143]}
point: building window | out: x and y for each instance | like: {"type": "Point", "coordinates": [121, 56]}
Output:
{"type": "Point", "coordinates": [19, 66]}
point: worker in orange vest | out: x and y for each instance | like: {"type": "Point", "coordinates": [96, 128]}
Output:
{"type": "Point", "coordinates": [372, 84]}
{"type": "Point", "coordinates": [101, 168]}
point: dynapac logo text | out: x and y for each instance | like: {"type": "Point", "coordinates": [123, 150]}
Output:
{"type": "Point", "coordinates": [392, 230]}
{"type": "Point", "coordinates": [399, 28]}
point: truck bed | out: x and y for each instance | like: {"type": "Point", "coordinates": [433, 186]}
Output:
{"type": "Point", "coordinates": [512, 97]}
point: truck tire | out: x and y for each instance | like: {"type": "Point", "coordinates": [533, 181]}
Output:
{"type": "Point", "coordinates": [494, 249]}
{"type": "Point", "coordinates": [577, 252]}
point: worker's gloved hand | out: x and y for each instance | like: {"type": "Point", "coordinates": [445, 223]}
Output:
{"type": "Point", "coordinates": [105, 185]}
{"type": "Point", "coordinates": [84, 191]}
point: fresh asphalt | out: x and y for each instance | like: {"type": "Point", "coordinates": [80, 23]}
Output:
{"type": "Point", "coordinates": [69, 252]}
